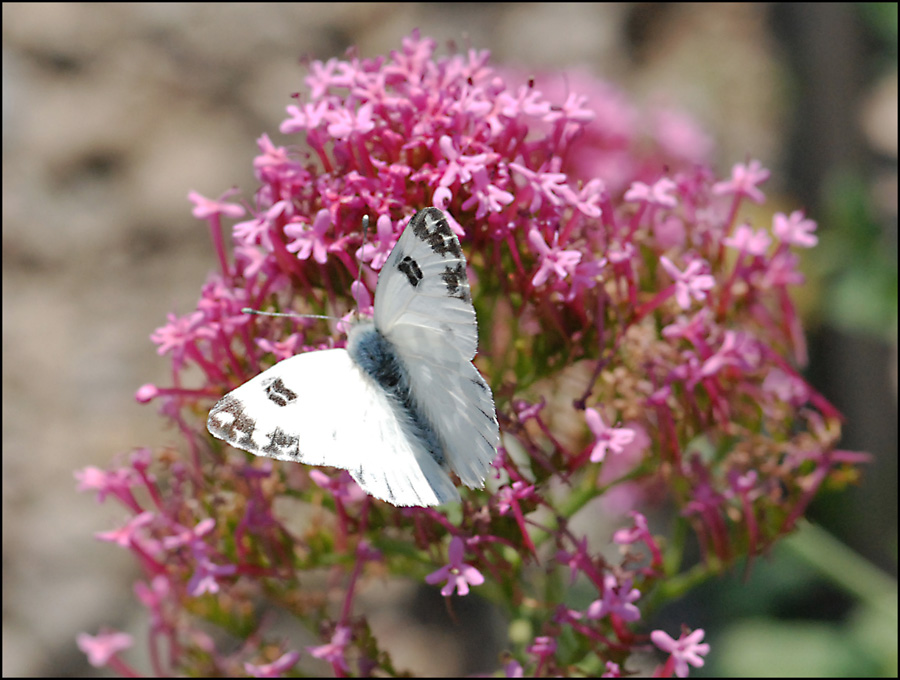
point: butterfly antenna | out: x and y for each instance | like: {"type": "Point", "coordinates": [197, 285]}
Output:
{"type": "Point", "coordinates": [294, 315]}
{"type": "Point", "coordinates": [259, 312]}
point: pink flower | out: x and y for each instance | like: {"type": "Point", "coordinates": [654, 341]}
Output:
{"type": "Point", "coordinates": [796, 230]}
{"type": "Point", "coordinates": [345, 123]}
{"type": "Point", "coordinates": [616, 599]}
{"type": "Point", "coordinates": [204, 208]}
{"type": "Point", "coordinates": [746, 240]}
{"type": "Point", "coordinates": [543, 646]}
{"type": "Point", "coordinates": [788, 388]}
{"type": "Point", "coordinates": [508, 496]}
{"type": "Point", "coordinates": [125, 535]}
{"type": "Point", "coordinates": [527, 410]}
{"type": "Point", "coordinates": [744, 181]}
{"type": "Point", "coordinates": [333, 651]}
{"type": "Point", "coordinates": [543, 185]}
{"type": "Point", "coordinates": [116, 482]}
{"type": "Point", "coordinates": [658, 194]}
{"type": "Point", "coordinates": [179, 333]}
{"type": "Point", "coordinates": [185, 536]}
{"type": "Point", "coordinates": [553, 260]}
{"type": "Point", "coordinates": [102, 647]}
{"type": "Point", "coordinates": [207, 574]}
{"type": "Point", "coordinates": [687, 649]}
{"type": "Point", "coordinates": [613, 670]}
{"type": "Point", "coordinates": [458, 168]}
{"type": "Point", "coordinates": [608, 438]}
{"type": "Point", "coordinates": [691, 283]}
{"type": "Point", "coordinates": [640, 532]}
{"type": "Point", "coordinates": [309, 117]}
{"type": "Point", "coordinates": [576, 560]}
{"type": "Point", "coordinates": [458, 575]}
{"type": "Point", "coordinates": [322, 77]}
{"type": "Point", "coordinates": [155, 598]}
{"type": "Point", "coordinates": [342, 485]}
{"type": "Point", "coordinates": [310, 239]}
{"type": "Point", "coordinates": [737, 349]}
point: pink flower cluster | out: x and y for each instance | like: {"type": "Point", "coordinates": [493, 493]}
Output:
{"type": "Point", "coordinates": [599, 244]}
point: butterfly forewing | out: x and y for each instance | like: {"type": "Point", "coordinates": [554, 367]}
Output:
{"type": "Point", "coordinates": [423, 284]}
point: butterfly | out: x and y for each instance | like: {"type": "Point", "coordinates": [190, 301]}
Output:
{"type": "Point", "coordinates": [403, 405]}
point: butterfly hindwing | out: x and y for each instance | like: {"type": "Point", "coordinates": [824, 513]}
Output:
{"type": "Point", "coordinates": [458, 404]}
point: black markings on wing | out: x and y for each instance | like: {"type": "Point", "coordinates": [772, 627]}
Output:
{"type": "Point", "coordinates": [457, 283]}
{"type": "Point", "coordinates": [230, 421]}
{"type": "Point", "coordinates": [279, 393]}
{"type": "Point", "coordinates": [492, 416]}
{"type": "Point", "coordinates": [410, 268]}
{"type": "Point", "coordinates": [367, 481]}
{"type": "Point", "coordinates": [430, 226]}
{"type": "Point", "coordinates": [281, 445]}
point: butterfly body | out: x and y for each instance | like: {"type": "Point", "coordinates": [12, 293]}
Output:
{"type": "Point", "coordinates": [402, 406]}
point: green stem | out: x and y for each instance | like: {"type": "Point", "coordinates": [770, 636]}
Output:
{"type": "Point", "coordinates": [844, 567]}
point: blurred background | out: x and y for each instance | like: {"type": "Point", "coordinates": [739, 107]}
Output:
{"type": "Point", "coordinates": [112, 113]}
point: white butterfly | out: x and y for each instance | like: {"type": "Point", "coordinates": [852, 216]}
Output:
{"type": "Point", "coordinates": [402, 405]}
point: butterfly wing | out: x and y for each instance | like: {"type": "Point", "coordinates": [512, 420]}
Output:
{"type": "Point", "coordinates": [320, 408]}
{"type": "Point", "coordinates": [423, 307]}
